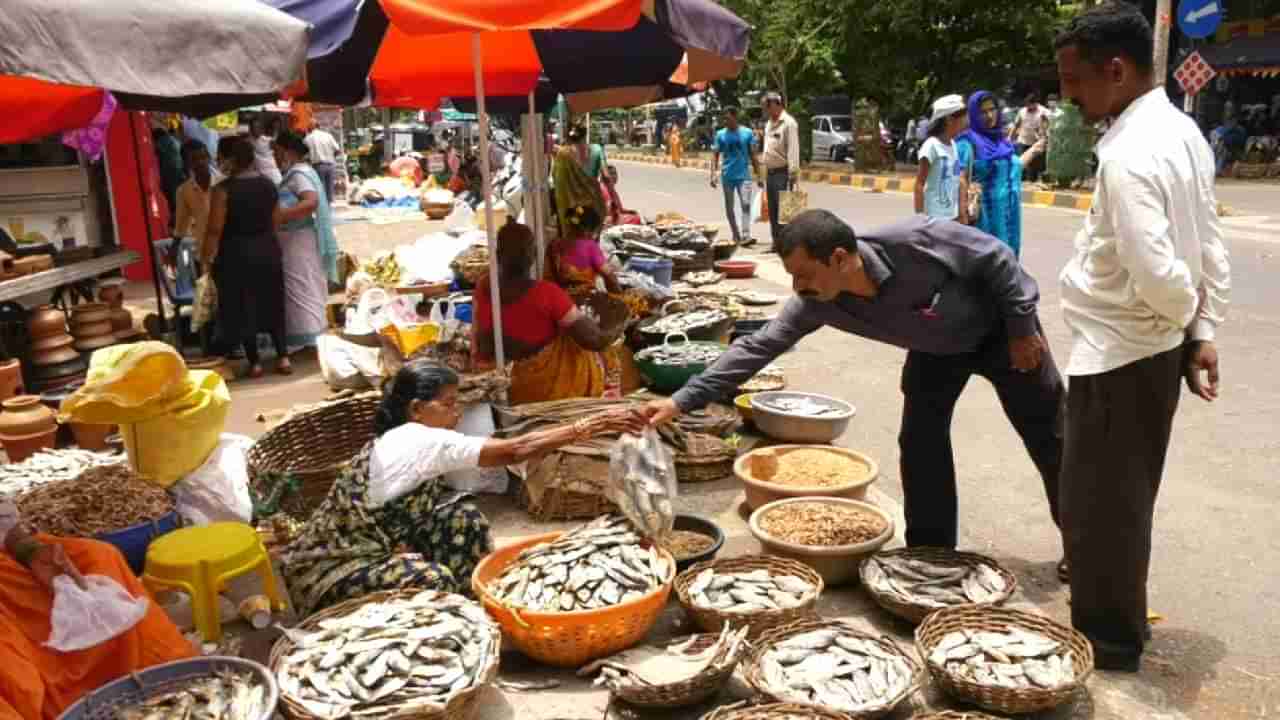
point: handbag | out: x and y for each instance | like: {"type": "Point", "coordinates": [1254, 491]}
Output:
{"type": "Point", "coordinates": [791, 203]}
{"type": "Point", "coordinates": [205, 302]}
{"type": "Point", "coordinates": [975, 203]}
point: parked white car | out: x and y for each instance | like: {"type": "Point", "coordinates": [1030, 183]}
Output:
{"type": "Point", "coordinates": [832, 137]}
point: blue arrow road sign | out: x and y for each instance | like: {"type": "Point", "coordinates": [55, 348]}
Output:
{"type": "Point", "coordinates": [1199, 18]}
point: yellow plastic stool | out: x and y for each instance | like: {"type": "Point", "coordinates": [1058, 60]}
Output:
{"type": "Point", "coordinates": [200, 561]}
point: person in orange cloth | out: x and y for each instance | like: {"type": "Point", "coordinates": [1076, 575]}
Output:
{"type": "Point", "coordinates": [39, 682]}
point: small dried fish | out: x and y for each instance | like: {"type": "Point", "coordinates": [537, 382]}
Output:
{"type": "Point", "coordinates": [648, 666]}
{"type": "Point", "coordinates": [681, 354]}
{"type": "Point", "coordinates": [1010, 658]}
{"type": "Point", "coordinates": [686, 321]}
{"type": "Point", "coordinates": [642, 483]}
{"type": "Point", "coordinates": [807, 406]}
{"type": "Point", "coordinates": [934, 584]}
{"type": "Point", "coordinates": [748, 591]}
{"type": "Point", "coordinates": [225, 696]}
{"type": "Point", "coordinates": [90, 503]}
{"type": "Point", "coordinates": [836, 669]}
{"type": "Point", "coordinates": [48, 466]}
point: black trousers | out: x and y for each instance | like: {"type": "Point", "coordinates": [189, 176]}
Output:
{"type": "Point", "coordinates": [931, 385]}
{"type": "Point", "coordinates": [1117, 435]}
{"type": "Point", "coordinates": [777, 180]}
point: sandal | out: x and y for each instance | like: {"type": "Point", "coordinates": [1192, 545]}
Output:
{"type": "Point", "coordinates": [284, 367]}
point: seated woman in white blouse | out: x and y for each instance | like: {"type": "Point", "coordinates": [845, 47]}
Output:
{"type": "Point", "coordinates": [389, 521]}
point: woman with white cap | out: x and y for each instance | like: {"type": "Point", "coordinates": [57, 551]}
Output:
{"type": "Point", "coordinates": [937, 192]}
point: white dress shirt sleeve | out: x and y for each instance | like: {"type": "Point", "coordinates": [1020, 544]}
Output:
{"type": "Point", "coordinates": [793, 148]}
{"type": "Point", "coordinates": [409, 455]}
{"type": "Point", "coordinates": [1215, 280]}
{"type": "Point", "coordinates": [1144, 246]}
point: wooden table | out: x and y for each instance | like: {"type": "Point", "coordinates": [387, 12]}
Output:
{"type": "Point", "coordinates": [75, 277]}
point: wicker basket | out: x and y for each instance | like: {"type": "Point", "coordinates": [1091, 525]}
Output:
{"type": "Point", "coordinates": [559, 500]}
{"type": "Point", "coordinates": [706, 458]}
{"type": "Point", "coordinates": [313, 446]}
{"type": "Point", "coordinates": [568, 639]}
{"type": "Point", "coordinates": [1000, 699]}
{"type": "Point", "coordinates": [746, 710]}
{"type": "Point", "coordinates": [914, 612]}
{"type": "Point", "coordinates": [703, 260]}
{"type": "Point", "coordinates": [135, 688]}
{"type": "Point", "coordinates": [687, 692]}
{"type": "Point", "coordinates": [955, 715]}
{"type": "Point", "coordinates": [462, 706]}
{"type": "Point", "coordinates": [712, 620]}
{"type": "Point", "coordinates": [753, 672]}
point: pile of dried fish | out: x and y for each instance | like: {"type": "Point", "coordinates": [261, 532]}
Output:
{"type": "Point", "coordinates": [772, 377]}
{"type": "Point", "coordinates": [746, 592]}
{"type": "Point", "coordinates": [822, 524]}
{"type": "Point", "coordinates": [684, 237]}
{"type": "Point", "coordinates": [593, 566]}
{"type": "Point", "coordinates": [926, 583]}
{"type": "Point", "coordinates": [681, 354]}
{"type": "Point", "coordinates": [807, 406]}
{"type": "Point", "coordinates": [686, 321]}
{"type": "Point", "coordinates": [704, 277]}
{"type": "Point", "coordinates": [618, 233]}
{"type": "Point", "coordinates": [642, 483]}
{"type": "Point", "coordinates": [397, 654]}
{"type": "Point", "coordinates": [755, 297]}
{"type": "Point", "coordinates": [648, 667]}
{"type": "Point", "coordinates": [836, 669]}
{"type": "Point", "coordinates": [225, 696]}
{"type": "Point", "coordinates": [684, 544]}
{"type": "Point", "coordinates": [48, 466]}
{"type": "Point", "coordinates": [94, 503]}
{"type": "Point", "coordinates": [1014, 658]}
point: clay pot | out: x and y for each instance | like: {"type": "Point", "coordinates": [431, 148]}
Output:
{"type": "Point", "coordinates": [46, 320]}
{"type": "Point", "coordinates": [84, 331]}
{"type": "Point", "coordinates": [129, 335]}
{"type": "Point", "coordinates": [97, 342]}
{"type": "Point", "coordinates": [10, 379]}
{"type": "Point", "coordinates": [90, 436]}
{"type": "Point", "coordinates": [90, 313]}
{"type": "Point", "coordinates": [56, 371]}
{"type": "Point", "coordinates": [53, 342]}
{"type": "Point", "coordinates": [24, 415]}
{"type": "Point", "coordinates": [112, 295]}
{"type": "Point", "coordinates": [56, 356]}
{"type": "Point", "coordinates": [121, 319]}
{"type": "Point", "coordinates": [21, 447]}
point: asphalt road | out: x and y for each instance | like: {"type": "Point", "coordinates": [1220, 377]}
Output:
{"type": "Point", "coordinates": [1216, 547]}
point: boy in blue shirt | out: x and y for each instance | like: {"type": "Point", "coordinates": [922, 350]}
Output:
{"type": "Point", "coordinates": [738, 145]}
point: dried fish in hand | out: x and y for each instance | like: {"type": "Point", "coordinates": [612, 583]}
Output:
{"type": "Point", "coordinates": [747, 592]}
{"type": "Point", "coordinates": [593, 566]}
{"type": "Point", "coordinates": [1010, 658]}
{"type": "Point", "coordinates": [642, 483]}
{"type": "Point", "coordinates": [225, 696]}
{"type": "Point", "coordinates": [94, 503]}
{"type": "Point", "coordinates": [415, 651]}
{"type": "Point", "coordinates": [934, 584]}
{"type": "Point", "coordinates": [835, 668]}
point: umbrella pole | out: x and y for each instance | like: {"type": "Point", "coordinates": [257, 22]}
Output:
{"type": "Point", "coordinates": [495, 295]}
{"type": "Point", "coordinates": [534, 200]}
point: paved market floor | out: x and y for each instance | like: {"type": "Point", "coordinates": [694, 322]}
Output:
{"type": "Point", "coordinates": [1213, 576]}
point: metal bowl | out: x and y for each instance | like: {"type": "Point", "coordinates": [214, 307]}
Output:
{"type": "Point", "coordinates": [795, 428]}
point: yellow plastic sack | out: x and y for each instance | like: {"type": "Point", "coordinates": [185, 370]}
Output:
{"type": "Point", "coordinates": [179, 438]}
{"type": "Point", "coordinates": [127, 383]}
{"type": "Point", "coordinates": [411, 337]}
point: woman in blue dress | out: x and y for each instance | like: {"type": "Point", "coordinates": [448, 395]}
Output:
{"type": "Point", "coordinates": [991, 163]}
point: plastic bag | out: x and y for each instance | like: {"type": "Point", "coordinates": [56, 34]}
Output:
{"type": "Point", "coordinates": [642, 482]}
{"type": "Point", "coordinates": [218, 490]}
{"type": "Point", "coordinates": [757, 208]}
{"type": "Point", "coordinates": [461, 218]}
{"type": "Point", "coordinates": [205, 303]}
{"type": "Point", "coordinates": [477, 421]}
{"type": "Point", "coordinates": [346, 365]}
{"type": "Point", "coordinates": [87, 618]}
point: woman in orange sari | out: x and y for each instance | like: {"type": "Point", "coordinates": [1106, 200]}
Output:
{"type": "Point", "coordinates": [557, 351]}
{"type": "Point", "coordinates": [39, 682]}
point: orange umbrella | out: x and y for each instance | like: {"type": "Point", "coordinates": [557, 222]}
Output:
{"type": "Point", "coordinates": [39, 108]}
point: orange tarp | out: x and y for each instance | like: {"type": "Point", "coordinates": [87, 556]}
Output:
{"type": "Point", "coordinates": [416, 72]}
{"type": "Point", "coordinates": [431, 17]}
{"type": "Point", "coordinates": [34, 108]}
{"type": "Point", "coordinates": [39, 683]}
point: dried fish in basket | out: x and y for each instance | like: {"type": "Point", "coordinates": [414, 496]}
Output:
{"type": "Point", "coordinates": [1004, 660]}
{"type": "Point", "coordinates": [753, 710]}
{"type": "Point", "coordinates": [913, 582]}
{"type": "Point", "coordinates": [207, 688]}
{"type": "Point", "coordinates": [685, 673]}
{"type": "Point", "coordinates": [50, 465]}
{"type": "Point", "coordinates": [91, 503]}
{"type": "Point", "coordinates": [832, 664]}
{"type": "Point", "coordinates": [396, 654]}
{"type": "Point", "coordinates": [758, 591]}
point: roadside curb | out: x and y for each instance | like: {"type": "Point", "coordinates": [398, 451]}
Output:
{"type": "Point", "coordinates": [879, 183]}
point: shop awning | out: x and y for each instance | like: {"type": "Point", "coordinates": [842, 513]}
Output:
{"type": "Point", "coordinates": [34, 108]}
{"type": "Point", "coordinates": [1244, 55]}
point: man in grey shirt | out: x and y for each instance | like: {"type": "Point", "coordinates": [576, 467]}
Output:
{"type": "Point", "coordinates": [957, 300]}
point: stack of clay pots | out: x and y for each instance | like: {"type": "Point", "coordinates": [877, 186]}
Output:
{"type": "Point", "coordinates": [26, 426]}
{"type": "Point", "coordinates": [91, 326]}
{"type": "Point", "coordinates": [111, 292]}
{"type": "Point", "coordinates": [53, 357]}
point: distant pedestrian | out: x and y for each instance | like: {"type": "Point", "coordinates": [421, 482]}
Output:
{"type": "Point", "coordinates": [992, 169]}
{"type": "Point", "coordinates": [264, 159]}
{"type": "Point", "coordinates": [172, 172]}
{"type": "Point", "coordinates": [675, 144]}
{"type": "Point", "coordinates": [937, 192]}
{"type": "Point", "coordinates": [737, 145]}
{"type": "Point", "coordinates": [323, 152]}
{"type": "Point", "coordinates": [1148, 286]}
{"type": "Point", "coordinates": [781, 158]}
{"type": "Point", "coordinates": [1031, 127]}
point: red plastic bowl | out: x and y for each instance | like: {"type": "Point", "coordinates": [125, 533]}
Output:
{"type": "Point", "coordinates": [737, 269]}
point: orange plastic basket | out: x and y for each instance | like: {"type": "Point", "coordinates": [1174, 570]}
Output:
{"type": "Point", "coordinates": [568, 639]}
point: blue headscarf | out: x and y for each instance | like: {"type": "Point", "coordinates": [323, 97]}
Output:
{"type": "Point", "coordinates": [990, 143]}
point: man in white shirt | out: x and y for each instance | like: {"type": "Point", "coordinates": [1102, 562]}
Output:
{"type": "Point", "coordinates": [323, 151]}
{"type": "Point", "coordinates": [1143, 295]}
{"type": "Point", "coordinates": [264, 159]}
{"type": "Point", "coordinates": [781, 157]}
{"type": "Point", "coordinates": [1031, 126]}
